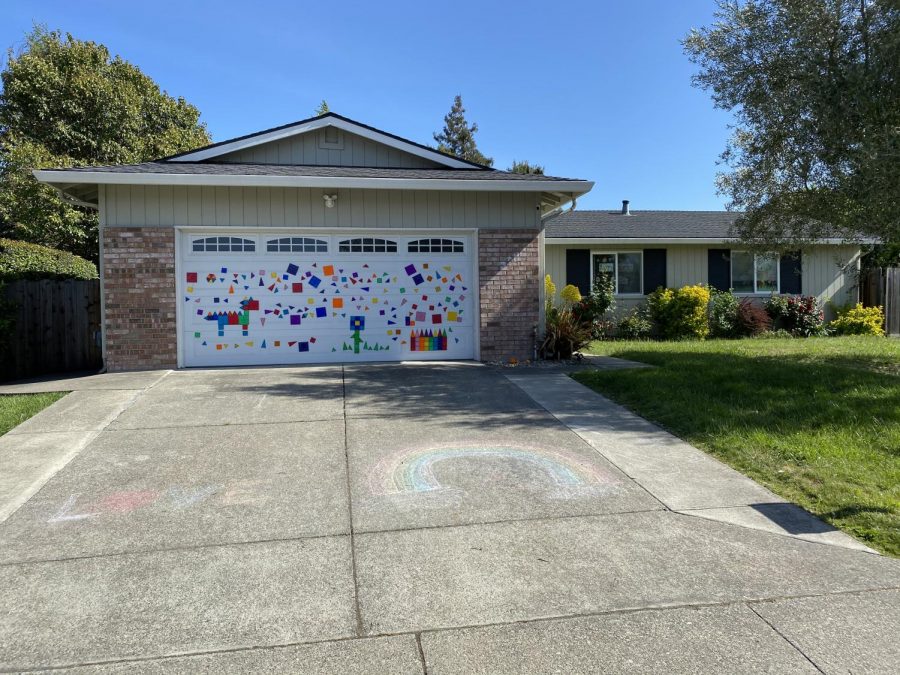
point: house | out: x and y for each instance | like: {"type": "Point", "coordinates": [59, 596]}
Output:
{"type": "Point", "coordinates": [319, 241]}
{"type": "Point", "coordinates": [643, 250]}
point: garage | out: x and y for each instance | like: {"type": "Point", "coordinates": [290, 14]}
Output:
{"type": "Point", "coordinates": [300, 296]}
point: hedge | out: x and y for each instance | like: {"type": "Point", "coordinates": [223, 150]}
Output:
{"type": "Point", "coordinates": [21, 260]}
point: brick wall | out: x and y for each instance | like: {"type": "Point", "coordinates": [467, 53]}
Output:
{"type": "Point", "coordinates": [509, 282]}
{"type": "Point", "coordinates": [139, 283]}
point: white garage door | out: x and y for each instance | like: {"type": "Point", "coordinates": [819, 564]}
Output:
{"type": "Point", "coordinates": [281, 298]}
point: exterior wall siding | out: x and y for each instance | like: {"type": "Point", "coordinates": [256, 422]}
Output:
{"type": "Point", "coordinates": [159, 206]}
{"type": "Point", "coordinates": [829, 272]}
{"type": "Point", "coordinates": [139, 291]}
{"type": "Point", "coordinates": [509, 287]}
{"type": "Point", "coordinates": [306, 149]}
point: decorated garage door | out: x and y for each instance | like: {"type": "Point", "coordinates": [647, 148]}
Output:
{"type": "Point", "coordinates": [304, 298]}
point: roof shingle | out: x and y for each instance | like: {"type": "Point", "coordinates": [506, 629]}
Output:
{"type": "Point", "coordinates": [641, 225]}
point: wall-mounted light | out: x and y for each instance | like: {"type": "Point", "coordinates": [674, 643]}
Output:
{"type": "Point", "coordinates": [329, 200]}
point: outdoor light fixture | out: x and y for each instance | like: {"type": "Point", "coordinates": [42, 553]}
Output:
{"type": "Point", "coordinates": [329, 200]}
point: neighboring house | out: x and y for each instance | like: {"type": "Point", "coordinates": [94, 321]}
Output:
{"type": "Point", "coordinates": [643, 250]}
{"type": "Point", "coordinates": [319, 241]}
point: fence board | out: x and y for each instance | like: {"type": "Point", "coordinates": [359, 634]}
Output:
{"type": "Point", "coordinates": [57, 328]}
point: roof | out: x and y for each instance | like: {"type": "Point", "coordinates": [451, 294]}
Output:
{"type": "Point", "coordinates": [236, 169]}
{"type": "Point", "coordinates": [613, 224]}
{"type": "Point", "coordinates": [312, 123]}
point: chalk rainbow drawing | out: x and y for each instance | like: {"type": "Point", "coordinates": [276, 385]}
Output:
{"type": "Point", "coordinates": [412, 470]}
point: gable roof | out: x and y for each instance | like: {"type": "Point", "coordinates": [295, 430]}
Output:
{"type": "Point", "coordinates": [320, 121]}
{"type": "Point", "coordinates": [641, 225]}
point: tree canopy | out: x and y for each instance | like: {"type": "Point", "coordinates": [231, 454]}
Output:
{"type": "Point", "coordinates": [68, 102]}
{"type": "Point", "coordinates": [525, 166]}
{"type": "Point", "coordinates": [457, 138]}
{"type": "Point", "coordinates": [322, 108]}
{"type": "Point", "coordinates": [814, 88]}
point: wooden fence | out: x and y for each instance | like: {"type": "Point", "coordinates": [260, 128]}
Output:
{"type": "Point", "coordinates": [880, 286]}
{"type": "Point", "coordinates": [56, 328]}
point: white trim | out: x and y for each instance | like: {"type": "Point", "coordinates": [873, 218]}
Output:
{"type": "Point", "coordinates": [650, 241]}
{"type": "Point", "coordinates": [297, 129]}
{"type": "Point", "coordinates": [476, 286]}
{"type": "Point", "coordinates": [179, 294]}
{"type": "Point", "coordinates": [640, 294]}
{"type": "Point", "coordinates": [112, 178]}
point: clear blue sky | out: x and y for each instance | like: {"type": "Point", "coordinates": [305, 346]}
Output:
{"type": "Point", "coordinates": [597, 90]}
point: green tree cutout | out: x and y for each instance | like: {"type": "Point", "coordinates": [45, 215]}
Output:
{"type": "Point", "coordinates": [457, 138]}
{"type": "Point", "coordinates": [68, 102]}
{"type": "Point", "coordinates": [815, 88]}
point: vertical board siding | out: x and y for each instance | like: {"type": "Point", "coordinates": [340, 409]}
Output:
{"type": "Point", "coordinates": [305, 149]}
{"type": "Point", "coordinates": [138, 205]}
{"type": "Point", "coordinates": [56, 329]}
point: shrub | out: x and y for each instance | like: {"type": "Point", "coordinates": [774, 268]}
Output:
{"type": "Point", "coordinates": [859, 320]}
{"type": "Point", "coordinates": [21, 260]}
{"type": "Point", "coordinates": [592, 308]}
{"type": "Point", "coordinates": [752, 320]}
{"type": "Point", "coordinates": [680, 313]}
{"type": "Point", "coordinates": [798, 314]}
{"type": "Point", "coordinates": [723, 314]}
{"type": "Point", "coordinates": [564, 331]}
{"type": "Point", "coordinates": [634, 326]}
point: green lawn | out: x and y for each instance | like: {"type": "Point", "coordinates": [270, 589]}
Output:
{"type": "Point", "coordinates": [815, 420]}
{"type": "Point", "coordinates": [17, 408]}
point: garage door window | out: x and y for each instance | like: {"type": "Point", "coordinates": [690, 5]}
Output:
{"type": "Point", "coordinates": [223, 244]}
{"type": "Point", "coordinates": [367, 245]}
{"type": "Point", "coordinates": [297, 245]}
{"type": "Point", "coordinates": [435, 246]}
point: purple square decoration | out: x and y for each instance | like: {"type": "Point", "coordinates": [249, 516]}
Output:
{"type": "Point", "coordinates": [410, 270]}
{"type": "Point", "coordinates": [295, 319]}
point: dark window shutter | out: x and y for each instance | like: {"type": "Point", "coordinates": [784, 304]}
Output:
{"type": "Point", "coordinates": [578, 269]}
{"type": "Point", "coordinates": [654, 269]}
{"type": "Point", "coordinates": [720, 268]}
{"type": "Point", "coordinates": [791, 280]}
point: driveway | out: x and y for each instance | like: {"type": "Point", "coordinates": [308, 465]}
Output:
{"type": "Point", "coordinates": [442, 518]}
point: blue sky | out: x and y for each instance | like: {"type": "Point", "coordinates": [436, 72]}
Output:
{"type": "Point", "coordinates": [597, 90]}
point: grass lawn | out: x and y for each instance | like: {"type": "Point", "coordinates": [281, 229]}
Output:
{"type": "Point", "coordinates": [815, 420]}
{"type": "Point", "coordinates": [17, 408]}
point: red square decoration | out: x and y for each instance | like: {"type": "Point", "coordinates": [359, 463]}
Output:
{"type": "Point", "coordinates": [296, 288]}
{"type": "Point", "coordinates": [191, 277]}
{"type": "Point", "coordinates": [436, 318]}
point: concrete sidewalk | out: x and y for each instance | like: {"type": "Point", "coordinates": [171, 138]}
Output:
{"type": "Point", "coordinates": [408, 518]}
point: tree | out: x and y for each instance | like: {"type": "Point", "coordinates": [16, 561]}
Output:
{"type": "Point", "coordinates": [526, 167]}
{"type": "Point", "coordinates": [67, 102]}
{"type": "Point", "coordinates": [323, 108]}
{"type": "Point", "coordinates": [457, 138]}
{"type": "Point", "coordinates": [814, 87]}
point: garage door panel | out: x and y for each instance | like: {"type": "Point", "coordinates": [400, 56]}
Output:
{"type": "Point", "coordinates": [258, 307]}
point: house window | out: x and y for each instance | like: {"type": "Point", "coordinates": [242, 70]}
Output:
{"type": "Point", "coordinates": [297, 245]}
{"type": "Point", "coordinates": [753, 273]}
{"type": "Point", "coordinates": [367, 245]}
{"type": "Point", "coordinates": [435, 246]}
{"type": "Point", "coordinates": [223, 244]}
{"type": "Point", "coordinates": [625, 268]}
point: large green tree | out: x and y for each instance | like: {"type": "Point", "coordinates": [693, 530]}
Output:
{"type": "Point", "coordinates": [457, 138]}
{"type": "Point", "coordinates": [67, 102]}
{"type": "Point", "coordinates": [814, 86]}
{"type": "Point", "coordinates": [524, 166]}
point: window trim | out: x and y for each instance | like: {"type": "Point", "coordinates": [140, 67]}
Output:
{"type": "Point", "coordinates": [245, 242]}
{"type": "Point", "coordinates": [375, 242]}
{"type": "Point", "coordinates": [755, 292]}
{"type": "Point", "coordinates": [457, 246]}
{"type": "Point", "coordinates": [316, 243]}
{"type": "Point", "coordinates": [616, 253]}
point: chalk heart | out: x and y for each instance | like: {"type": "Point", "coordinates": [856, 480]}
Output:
{"type": "Point", "coordinates": [412, 471]}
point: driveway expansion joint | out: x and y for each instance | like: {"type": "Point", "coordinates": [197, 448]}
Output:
{"type": "Point", "coordinates": [784, 637]}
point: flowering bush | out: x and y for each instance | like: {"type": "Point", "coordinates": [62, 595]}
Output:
{"type": "Point", "coordinates": [798, 314]}
{"type": "Point", "coordinates": [564, 332]}
{"type": "Point", "coordinates": [723, 314]}
{"type": "Point", "coordinates": [752, 320]}
{"type": "Point", "coordinates": [592, 309]}
{"type": "Point", "coordinates": [680, 313]}
{"type": "Point", "coordinates": [859, 320]}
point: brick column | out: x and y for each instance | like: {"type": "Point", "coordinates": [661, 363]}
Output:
{"type": "Point", "coordinates": [509, 283]}
{"type": "Point", "coordinates": [139, 290]}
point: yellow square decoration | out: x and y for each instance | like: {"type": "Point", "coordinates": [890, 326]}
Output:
{"type": "Point", "coordinates": [451, 316]}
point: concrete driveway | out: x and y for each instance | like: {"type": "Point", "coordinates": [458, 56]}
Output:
{"type": "Point", "coordinates": [445, 518]}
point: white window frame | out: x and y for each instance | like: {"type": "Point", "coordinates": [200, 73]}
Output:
{"type": "Point", "coordinates": [616, 271]}
{"type": "Point", "coordinates": [756, 290]}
